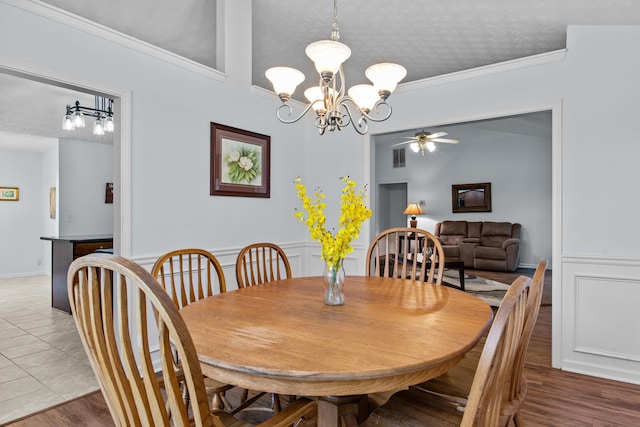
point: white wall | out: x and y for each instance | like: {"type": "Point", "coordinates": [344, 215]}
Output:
{"type": "Point", "coordinates": [50, 159]}
{"type": "Point", "coordinates": [170, 202]}
{"type": "Point", "coordinates": [596, 88]}
{"type": "Point", "coordinates": [592, 240]}
{"type": "Point", "coordinates": [21, 222]}
{"type": "Point", "coordinates": [517, 166]}
{"type": "Point", "coordinates": [84, 170]}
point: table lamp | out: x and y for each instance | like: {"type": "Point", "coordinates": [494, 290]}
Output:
{"type": "Point", "coordinates": [413, 209]}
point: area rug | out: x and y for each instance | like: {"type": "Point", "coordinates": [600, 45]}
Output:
{"type": "Point", "coordinates": [487, 290]}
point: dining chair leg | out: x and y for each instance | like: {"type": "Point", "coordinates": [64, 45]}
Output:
{"type": "Point", "coordinates": [518, 420]}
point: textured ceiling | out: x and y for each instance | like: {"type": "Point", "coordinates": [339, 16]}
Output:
{"type": "Point", "coordinates": [428, 37]}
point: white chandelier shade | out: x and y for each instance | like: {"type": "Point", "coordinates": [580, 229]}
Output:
{"type": "Point", "coordinates": [284, 79]}
{"type": "Point", "coordinates": [328, 55]}
{"type": "Point", "coordinates": [386, 76]}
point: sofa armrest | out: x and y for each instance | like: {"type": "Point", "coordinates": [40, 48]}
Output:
{"type": "Point", "coordinates": [470, 240]}
{"type": "Point", "coordinates": [510, 242]}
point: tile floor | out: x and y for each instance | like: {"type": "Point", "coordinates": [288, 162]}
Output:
{"type": "Point", "coordinates": [42, 361]}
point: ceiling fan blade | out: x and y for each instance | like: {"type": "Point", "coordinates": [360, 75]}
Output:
{"type": "Point", "coordinates": [436, 135]}
{"type": "Point", "coordinates": [405, 142]}
{"type": "Point", "coordinates": [448, 141]}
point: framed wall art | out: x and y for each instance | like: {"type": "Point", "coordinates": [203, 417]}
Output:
{"type": "Point", "coordinates": [471, 197]}
{"type": "Point", "coordinates": [108, 193]}
{"type": "Point", "coordinates": [9, 194]}
{"type": "Point", "coordinates": [240, 162]}
{"type": "Point", "coordinates": [52, 202]}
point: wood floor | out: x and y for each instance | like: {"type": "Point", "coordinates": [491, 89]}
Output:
{"type": "Point", "coordinates": [555, 398]}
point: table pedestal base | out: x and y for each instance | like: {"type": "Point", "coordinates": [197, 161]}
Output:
{"type": "Point", "coordinates": [342, 411]}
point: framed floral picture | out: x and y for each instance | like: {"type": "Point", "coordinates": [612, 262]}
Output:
{"type": "Point", "coordinates": [240, 162]}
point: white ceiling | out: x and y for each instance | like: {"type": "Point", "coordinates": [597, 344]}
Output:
{"type": "Point", "coordinates": [428, 37]}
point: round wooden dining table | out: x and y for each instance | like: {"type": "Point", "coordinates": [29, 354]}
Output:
{"type": "Point", "coordinates": [280, 337]}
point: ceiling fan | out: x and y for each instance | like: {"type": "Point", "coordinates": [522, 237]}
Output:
{"type": "Point", "coordinates": [425, 139]}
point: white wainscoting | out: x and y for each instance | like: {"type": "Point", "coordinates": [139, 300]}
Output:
{"type": "Point", "coordinates": [600, 317]}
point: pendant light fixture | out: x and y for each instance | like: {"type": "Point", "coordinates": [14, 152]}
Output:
{"type": "Point", "coordinates": [328, 100]}
{"type": "Point", "coordinates": [103, 113]}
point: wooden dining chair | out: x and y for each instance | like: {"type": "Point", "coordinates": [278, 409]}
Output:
{"type": "Point", "coordinates": [111, 299]}
{"type": "Point", "coordinates": [406, 253]}
{"type": "Point", "coordinates": [189, 275]}
{"type": "Point", "coordinates": [261, 262]}
{"type": "Point", "coordinates": [456, 383]}
{"type": "Point", "coordinates": [413, 407]}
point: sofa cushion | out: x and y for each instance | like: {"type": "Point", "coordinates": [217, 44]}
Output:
{"type": "Point", "coordinates": [494, 233]}
{"type": "Point", "coordinates": [451, 251]}
{"type": "Point", "coordinates": [487, 252]}
{"type": "Point", "coordinates": [452, 232]}
{"type": "Point", "coordinates": [474, 229]}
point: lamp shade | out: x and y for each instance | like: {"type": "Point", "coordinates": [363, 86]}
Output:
{"type": "Point", "coordinates": [67, 122]}
{"type": "Point", "coordinates": [413, 209]}
{"type": "Point", "coordinates": [78, 119]}
{"type": "Point", "coordinates": [365, 96]}
{"type": "Point", "coordinates": [386, 76]}
{"type": "Point", "coordinates": [328, 55]}
{"type": "Point", "coordinates": [284, 79]}
{"type": "Point", "coordinates": [108, 124]}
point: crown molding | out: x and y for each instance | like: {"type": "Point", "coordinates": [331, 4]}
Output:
{"type": "Point", "coordinates": [69, 19]}
{"type": "Point", "coordinates": [487, 70]}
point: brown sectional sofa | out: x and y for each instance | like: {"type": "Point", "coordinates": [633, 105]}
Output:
{"type": "Point", "coordinates": [482, 245]}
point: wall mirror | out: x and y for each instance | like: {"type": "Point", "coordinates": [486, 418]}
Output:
{"type": "Point", "coordinates": [471, 197]}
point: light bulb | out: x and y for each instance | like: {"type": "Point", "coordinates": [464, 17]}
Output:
{"type": "Point", "coordinates": [431, 146]}
{"type": "Point", "coordinates": [415, 147]}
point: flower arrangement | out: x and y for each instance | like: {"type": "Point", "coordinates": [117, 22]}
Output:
{"type": "Point", "coordinates": [243, 164]}
{"type": "Point", "coordinates": [353, 213]}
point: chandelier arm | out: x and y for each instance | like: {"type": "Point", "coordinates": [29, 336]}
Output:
{"type": "Point", "coordinates": [94, 111]}
{"type": "Point", "coordinates": [375, 108]}
{"type": "Point", "coordinates": [363, 126]}
{"type": "Point", "coordinates": [287, 106]}
{"type": "Point", "coordinates": [321, 123]}
{"type": "Point", "coordinates": [363, 113]}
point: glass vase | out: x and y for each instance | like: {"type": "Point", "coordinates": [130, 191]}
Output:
{"type": "Point", "coordinates": [334, 283]}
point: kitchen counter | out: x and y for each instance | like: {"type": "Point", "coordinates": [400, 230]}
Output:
{"type": "Point", "coordinates": [64, 250]}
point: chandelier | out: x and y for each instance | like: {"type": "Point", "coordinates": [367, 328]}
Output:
{"type": "Point", "coordinates": [328, 100]}
{"type": "Point", "coordinates": [103, 112]}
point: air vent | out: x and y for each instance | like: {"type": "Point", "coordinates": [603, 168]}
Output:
{"type": "Point", "coordinates": [398, 158]}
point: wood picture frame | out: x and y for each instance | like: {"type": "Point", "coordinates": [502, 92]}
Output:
{"type": "Point", "coordinates": [240, 162]}
{"type": "Point", "coordinates": [9, 194]}
{"type": "Point", "coordinates": [108, 193]}
{"type": "Point", "coordinates": [471, 197]}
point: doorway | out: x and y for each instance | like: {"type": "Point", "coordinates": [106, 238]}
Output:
{"type": "Point", "coordinates": [391, 201]}
{"type": "Point", "coordinates": [121, 138]}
